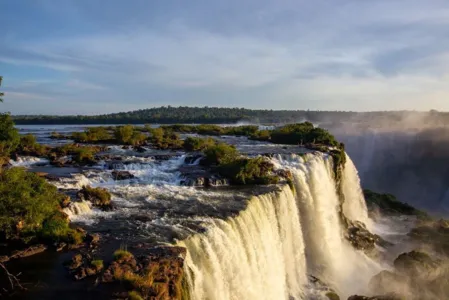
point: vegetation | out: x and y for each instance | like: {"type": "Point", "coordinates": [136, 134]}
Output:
{"type": "Point", "coordinates": [9, 138]}
{"type": "Point", "coordinates": [198, 144]}
{"type": "Point", "coordinates": [388, 204]}
{"type": "Point", "coordinates": [165, 139]}
{"type": "Point", "coordinates": [122, 254]}
{"type": "Point", "coordinates": [30, 207]}
{"type": "Point", "coordinates": [301, 134]}
{"type": "Point", "coordinates": [221, 154]}
{"type": "Point", "coordinates": [29, 146]}
{"type": "Point", "coordinates": [128, 135]}
{"type": "Point", "coordinates": [249, 171]}
{"type": "Point", "coordinates": [97, 264]}
{"type": "Point", "coordinates": [84, 155]}
{"type": "Point", "coordinates": [98, 196]}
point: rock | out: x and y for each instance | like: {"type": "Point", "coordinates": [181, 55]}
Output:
{"type": "Point", "coordinates": [383, 297]}
{"type": "Point", "coordinates": [93, 239]}
{"type": "Point", "coordinates": [41, 174]}
{"type": "Point", "coordinates": [122, 175]}
{"type": "Point", "coordinates": [75, 262]}
{"type": "Point", "coordinates": [4, 258]}
{"type": "Point", "coordinates": [387, 282]}
{"type": "Point", "coordinates": [35, 249]}
{"type": "Point", "coordinates": [139, 149]}
{"type": "Point", "coordinates": [417, 264]}
{"type": "Point", "coordinates": [332, 296]}
{"type": "Point", "coordinates": [189, 160]}
{"type": "Point", "coordinates": [66, 201]}
{"type": "Point", "coordinates": [361, 239]}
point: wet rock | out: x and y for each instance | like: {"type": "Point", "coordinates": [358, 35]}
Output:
{"type": "Point", "coordinates": [32, 250]}
{"type": "Point", "coordinates": [93, 239]}
{"type": "Point", "coordinates": [139, 149]}
{"type": "Point", "coordinates": [189, 160]}
{"type": "Point", "coordinates": [387, 282]}
{"type": "Point", "coordinates": [383, 297]}
{"type": "Point", "coordinates": [122, 175]}
{"type": "Point", "coordinates": [417, 264]}
{"type": "Point", "coordinates": [66, 201]}
{"type": "Point", "coordinates": [325, 289]}
{"type": "Point", "coordinates": [75, 262]}
{"type": "Point", "coordinates": [433, 233]}
{"type": "Point", "coordinates": [361, 239]}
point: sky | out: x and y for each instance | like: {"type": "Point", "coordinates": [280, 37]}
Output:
{"type": "Point", "coordinates": [93, 57]}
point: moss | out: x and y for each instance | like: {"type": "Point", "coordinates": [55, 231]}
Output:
{"type": "Point", "coordinates": [122, 254]}
{"type": "Point", "coordinates": [332, 296]}
{"type": "Point", "coordinates": [97, 264]}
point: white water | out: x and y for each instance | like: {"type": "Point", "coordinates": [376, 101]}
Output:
{"type": "Point", "coordinates": [26, 161]}
{"type": "Point", "coordinates": [267, 251]}
{"type": "Point", "coordinates": [78, 208]}
{"type": "Point", "coordinates": [257, 255]}
{"type": "Point", "coordinates": [354, 206]}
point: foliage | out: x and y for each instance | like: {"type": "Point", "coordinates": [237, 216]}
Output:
{"type": "Point", "coordinates": [26, 201]}
{"type": "Point", "coordinates": [97, 264]}
{"type": "Point", "coordinates": [133, 295]}
{"type": "Point", "coordinates": [388, 204]}
{"type": "Point", "coordinates": [9, 137]}
{"type": "Point", "coordinates": [221, 153]}
{"type": "Point", "coordinates": [122, 254]}
{"type": "Point", "coordinates": [249, 171]}
{"type": "Point", "coordinates": [29, 146]}
{"type": "Point", "coordinates": [165, 139]}
{"type": "Point", "coordinates": [261, 135]}
{"type": "Point", "coordinates": [98, 196]}
{"type": "Point", "coordinates": [56, 229]}
{"type": "Point", "coordinates": [198, 144]}
{"type": "Point", "coordinates": [302, 133]}
{"type": "Point", "coordinates": [124, 134]}
{"type": "Point", "coordinates": [80, 154]}
{"type": "Point", "coordinates": [92, 135]}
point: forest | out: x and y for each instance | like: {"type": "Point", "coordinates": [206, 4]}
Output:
{"type": "Point", "coordinates": [221, 115]}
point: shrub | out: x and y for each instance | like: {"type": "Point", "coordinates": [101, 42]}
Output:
{"type": "Point", "coordinates": [97, 264]}
{"type": "Point", "coordinates": [221, 153]}
{"type": "Point", "coordinates": [124, 134]}
{"type": "Point", "coordinates": [249, 171]}
{"type": "Point", "coordinates": [56, 229]}
{"type": "Point", "coordinates": [29, 146]}
{"type": "Point", "coordinates": [98, 196]}
{"type": "Point", "coordinates": [261, 135]}
{"type": "Point", "coordinates": [122, 254]}
{"type": "Point", "coordinates": [9, 137]}
{"type": "Point", "coordinates": [26, 201]}
{"type": "Point", "coordinates": [246, 130]}
{"type": "Point", "coordinates": [92, 134]}
{"type": "Point", "coordinates": [302, 133]}
{"type": "Point", "coordinates": [164, 139]}
{"type": "Point", "coordinates": [198, 144]}
{"type": "Point", "coordinates": [80, 154]}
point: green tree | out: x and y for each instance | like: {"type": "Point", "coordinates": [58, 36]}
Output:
{"type": "Point", "coordinates": [124, 134]}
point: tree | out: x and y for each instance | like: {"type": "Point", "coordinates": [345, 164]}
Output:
{"type": "Point", "coordinates": [1, 94]}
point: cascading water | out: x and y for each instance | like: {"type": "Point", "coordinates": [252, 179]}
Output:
{"type": "Point", "coordinates": [267, 251]}
{"type": "Point", "coordinates": [354, 206]}
{"type": "Point", "coordinates": [78, 208]}
{"type": "Point", "coordinates": [257, 255]}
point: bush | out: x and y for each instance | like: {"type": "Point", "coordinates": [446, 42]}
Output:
{"type": "Point", "coordinates": [198, 144]}
{"type": "Point", "coordinates": [97, 264]}
{"type": "Point", "coordinates": [261, 135]}
{"type": "Point", "coordinates": [26, 201]}
{"type": "Point", "coordinates": [92, 134]}
{"type": "Point", "coordinates": [80, 154]}
{"type": "Point", "coordinates": [29, 146]}
{"type": "Point", "coordinates": [249, 171]}
{"type": "Point", "coordinates": [165, 139]}
{"type": "Point", "coordinates": [122, 254]}
{"type": "Point", "coordinates": [9, 137]}
{"type": "Point", "coordinates": [246, 130]}
{"type": "Point", "coordinates": [221, 153]}
{"type": "Point", "coordinates": [56, 229]}
{"type": "Point", "coordinates": [302, 133]}
{"type": "Point", "coordinates": [98, 196]}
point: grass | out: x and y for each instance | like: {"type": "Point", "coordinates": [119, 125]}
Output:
{"type": "Point", "coordinates": [122, 254]}
{"type": "Point", "coordinates": [97, 264]}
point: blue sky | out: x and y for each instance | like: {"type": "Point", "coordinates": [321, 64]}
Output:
{"type": "Point", "coordinates": [92, 56]}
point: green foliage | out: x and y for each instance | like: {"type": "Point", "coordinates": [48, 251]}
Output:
{"type": "Point", "coordinates": [122, 254]}
{"type": "Point", "coordinates": [98, 196]}
{"type": "Point", "coordinates": [97, 264]}
{"type": "Point", "coordinates": [56, 229]}
{"type": "Point", "coordinates": [9, 137]}
{"type": "Point", "coordinates": [124, 134]}
{"type": "Point", "coordinates": [92, 135]}
{"type": "Point", "coordinates": [388, 203]}
{"type": "Point", "coordinates": [249, 171]}
{"type": "Point", "coordinates": [29, 146]}
{"type": "Point", "coordinates": [261, 135]}
{"type": "Point", "coordinates": [198, 144]}
{"type": "Point", "coordinates": [165, 139]}
{"type": "Point", "coordinates": [83, 155]}
{"type": "Point", "coordinates": [246, 130]}
{"type": "Point", "coordinates": [302, 133]}
{"type": "Point", "coordinates": [220, 154]}
{"type": "Point", "coordinates": [26, 201]}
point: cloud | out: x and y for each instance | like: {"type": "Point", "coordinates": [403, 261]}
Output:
{"type": "Point", "coordinates": [351, 55]}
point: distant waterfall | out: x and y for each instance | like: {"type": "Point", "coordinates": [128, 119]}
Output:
{"type": "Point", "coordinates": [267, 251]}
{"type": "Point", "coordinates": [257, 255]}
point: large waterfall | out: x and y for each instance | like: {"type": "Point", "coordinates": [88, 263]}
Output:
{"type": "Point", "coordinates": [270, 248]}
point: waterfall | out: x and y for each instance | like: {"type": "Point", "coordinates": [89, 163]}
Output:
{"type": "Point", "coordinates": [78, 208]}
{"type": "Point", "coordinates": [257, 255]}
{"type": "Point", "coordinates": [267, 251]}
{"type": "Point", "coordinates": [354, 206]}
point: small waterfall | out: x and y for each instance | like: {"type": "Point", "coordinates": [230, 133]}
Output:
{"type": "Point", "coordinates": [257, 255]}
{"type": "Point", "coordinates": [354, 206]}
{"type": "Point", "coordinates": [267, 251]}
{"type": "Point", "coordinates": [78, 208]}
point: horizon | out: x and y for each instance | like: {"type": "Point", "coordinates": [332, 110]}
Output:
{"type": "Point", "coordinates": [86, 58]}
